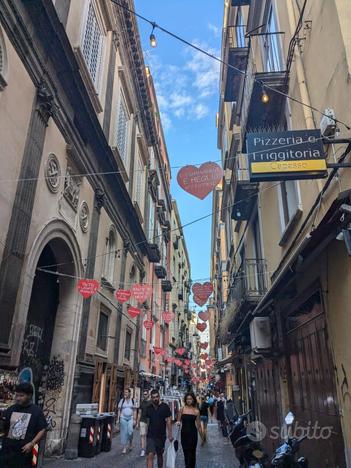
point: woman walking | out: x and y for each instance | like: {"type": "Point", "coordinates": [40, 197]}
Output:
{"type": "Point", "coordinates": [189, 419]}
{"type": "Point", "coordinates": [127, 420]}
{"type": "Point", "coordinates": [204, 414]}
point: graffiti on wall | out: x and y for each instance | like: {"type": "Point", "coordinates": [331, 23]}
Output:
{"type": "Point", "coordinates": [344, 387]}
{"type": "Point", "coordinates": [51, 385]}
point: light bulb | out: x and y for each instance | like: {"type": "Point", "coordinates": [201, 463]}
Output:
{"type": "Point", "coordinates": [264, 97]}
{"type": "Point", "coordinates": [153, 42]}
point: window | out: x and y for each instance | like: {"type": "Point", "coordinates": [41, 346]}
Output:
{"type": "Point", "coordinates": [3, 63]}
{"type": "Point", "coordinates": [109, 264]}
{"type": "Point", "coordinates": [103, 330]}
{"type": "Point", "coordinates": [289, 201]}
{"type": "Point", "coordinates": [127, 347]}
{"type": "Point", "coordinates": [240, 29]}
{"type": "Point", "coordinates": [122, 129]}
{"type": "Point", "coordinates": [151, 226]}
{"type": "Point", "coordinates": [272, 46]}
{"type": "Point", "coordinates": [139, 185]}
{"type": "Point", "coordinates": [92, 46]}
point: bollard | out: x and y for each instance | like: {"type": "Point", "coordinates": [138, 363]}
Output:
{"type": "Point", "coordinates": [71, 451]}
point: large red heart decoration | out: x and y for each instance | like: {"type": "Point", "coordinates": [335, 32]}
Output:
{"type": "Point", "coordinates": [159, 350]}
{"type": "Point", "coordinates": [141, 292]}
{"type": "Point", "coordinates": [199, 301]}
{"type": "Point", "coordinates": [88, 287]}
{"type": "Point", "coordinates": [200, 181]}
{"type": "Point", "coordinates": [122, 295]}
{"type": "Point", "coordinates": [148, 324]}
{"type": "Point", "coordinates": [204, 316]}
{"type": "Point", "coordinates": [133, 312]}
{"type": "Point", "coordinates": [167, 316]}
{"type": "Point", "coordinates": [201, 326]}
{"type": "Point", "coordinates": [180, 351]}
{"type": "Point", "coordinates": [202, 291]}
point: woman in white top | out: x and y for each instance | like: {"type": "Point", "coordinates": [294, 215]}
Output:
{"type": "Point", "coordinates": [127, 420]}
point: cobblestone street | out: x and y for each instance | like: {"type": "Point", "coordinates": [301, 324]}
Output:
{"type": "Point", "coordinates": [217, 453]}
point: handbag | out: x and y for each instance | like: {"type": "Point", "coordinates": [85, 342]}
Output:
{"type": "Point", "coordinates": [171, 454]}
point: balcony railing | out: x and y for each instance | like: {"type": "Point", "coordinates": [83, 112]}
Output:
{"type": "Point", "coordinates": [250, 282]}
{"type": "Point", "coordinates": [244, 191]}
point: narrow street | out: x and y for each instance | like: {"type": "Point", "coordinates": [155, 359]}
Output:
{"type": "Point", "coordinates": [217, 453]}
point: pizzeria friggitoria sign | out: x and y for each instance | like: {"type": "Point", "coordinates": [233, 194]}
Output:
{"type": "Point", "coordinates": [289, 155]}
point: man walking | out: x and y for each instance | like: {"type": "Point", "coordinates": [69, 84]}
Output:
{"type": "Point", "coordinates": [220, 411]}
{"type": "Point", "coordinates": [142, 421]}
{"type": "Point", "coordinates": [159, 417]}
{"type": "Point", "coordinates": [25, 426]}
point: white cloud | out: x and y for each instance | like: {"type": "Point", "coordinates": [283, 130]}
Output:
{"type": "Point", "coordinates": [215, 29]}
{"type": "Point", "coordinates": [200, 111]}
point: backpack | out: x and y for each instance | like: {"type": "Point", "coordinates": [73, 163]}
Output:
{"type": "Point", "coordinates": [123, 403]}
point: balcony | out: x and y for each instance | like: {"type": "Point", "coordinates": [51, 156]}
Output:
{"type": "Point", "coordinates": [263, 68]}
{"type": "Point", "coordinates": [236, 54]}
{"type": "Point", "coordinates": [166, 286]}
{"type": "Point", "coordinates": [181, 294]}
{"type": "Point", "coordinates": [153, 253]}
{"type": "Point", "coordinates": [160, 272]}
{"type": "Point", "coordinates": [250, 282]}
{"type": "Point", "coordinates": [238, 3]}
{"type": "Point", "coordinates": [245, 193]}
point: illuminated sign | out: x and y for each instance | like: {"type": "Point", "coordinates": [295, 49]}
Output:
{"type": "Point", "coordinates": [296, 154]}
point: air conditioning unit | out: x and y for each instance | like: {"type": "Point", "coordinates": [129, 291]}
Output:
{"type": "Point", "coordinates": [260, 334]}
{"type": "Point", "coordinates": [327, 123]}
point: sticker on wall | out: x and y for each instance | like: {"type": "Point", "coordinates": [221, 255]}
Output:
{"type": "Point", "coordinates": [201, 326]}
{"type": "Point", "coordinates": [133, 312]}
{"type": "Point", "coordinates": [167, 316]}
{"type": "Point", "coordinates": [148, 324]}
{"type": "Point", "coordinates": [180, 351]}
{"type": "Point", "coordinates": [204, 316]}
{"type": "Point", "coordinates": [200, 181]}
{"type": "Point", "coordinates": [141, 292]}
{"type": "Point", "coordinates": [202, 291]}
{"type": "Point", "coordinates": [88, 287]}
{"type": "Point", "coordinates": [123, 295]}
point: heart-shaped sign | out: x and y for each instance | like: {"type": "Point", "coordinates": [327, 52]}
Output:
{"type": "Point", "coordinates": [141, 292]}
{"type": "Point", "coordinates": [187, 362]}
{"type": "Point", "coordinates": [123, 295]}
{"type": "Point", "coordinates": [88, 287]}
{"type": "Point", "coordinates": [201, 326]}
{"type": "Point", "coordinates": [159, 350]}
{"type": "Point", "coordinates": [199, 301]}
{"type": "Point", "coordinates": [180, 351]}
{"type": "Point", "coordinates": [170, 359]}
{"type": "Point", "coordinates": [204, 356]}
{"type": "Point", "coordinates": [133, 312]}
{"type": "Point", "coordinates": [148, 324]}
{"type": "Point", "coordinates": [167, 316]}
{"type": "Point", "coordinates": [204, 316]}
{"type": "Point", "coordinates": [202, 291]}
{"type": "Point", "coordinates": [186, 371]}
{"type": "Point", "coordinates": [200, 181]}
{"type": "Point", "coordinates": [178, 362]}
{"type": "Point", "coordinates": [204, 345]}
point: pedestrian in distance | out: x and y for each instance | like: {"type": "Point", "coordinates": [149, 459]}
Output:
{"type": "Point", "coordinates": [204, 415]}
{"type": "Point", "coordinates": [127, 420]}
{"type": "Point", "coordinates": [24, 427]}
{"type": "Point", "coordinates": [220, 413]}
{"type": "Point", "coordinates": [189, 420]}
{"type": "Point", "coordinates": [142, 420]}
{"type": "Point", "coordinates": [159, 418]}
{"type": "Point", "coordinates": [211, 403]}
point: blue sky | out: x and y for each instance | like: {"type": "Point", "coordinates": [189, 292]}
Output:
{"type": "Point", "coordinates": [187, 85]}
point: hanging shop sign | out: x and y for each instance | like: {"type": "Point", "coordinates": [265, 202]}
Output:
{"type": "Point", "coordinates": [200, 181]}
{"type": "Point", "coordinates": [123, 295]}
{"type": "Point", "coordinates": [88, 287]}
{"type": "Point", "coordinates": [133, 312]}
{"type": "Point", "coordinates": [167, 317]}
{"type": "Point", "coordinates": [141, 292]}
{"type": "Point", "coordinates": [204, 316]}
{"type": "Point", "coordinates": [289, 155]}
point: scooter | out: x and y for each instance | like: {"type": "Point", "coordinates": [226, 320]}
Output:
{"type": "Point", "coordinates": [247, 450]}
{"type": "Point", "coordinates": [285, 455]}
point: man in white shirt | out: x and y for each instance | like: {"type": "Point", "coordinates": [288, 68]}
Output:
{"type": "Point", "coordinates": [127, 419]}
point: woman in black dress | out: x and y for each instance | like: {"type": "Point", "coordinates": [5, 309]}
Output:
{"type": "Point", "coordinates": [189, 419]}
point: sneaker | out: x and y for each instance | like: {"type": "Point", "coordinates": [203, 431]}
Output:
{"type": "Point", "coordinates": [142, 453]}
{"type": "Point", "coordinates": [124, 451]}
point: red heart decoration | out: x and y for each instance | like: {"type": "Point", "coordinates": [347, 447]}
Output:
{"type": "Point", "coordinates": [180, 351]}
{"type": "Point", "coordinates": [201, 326]}
{"type": "Point", "coordinates": [204, 356]}
{"type": "Point", "coordinates": [167, 316]}
{"type": "Point", "coordinates": [159, 350]}
{"type": "Point", "coordinates": [170, 359]}
{"type": "Point", "coordinates": [200, 181]}
{"type": "Point", "coordinates": [178, 362]}
{"type": "Point", "coordinates": [122, 295]}
{"type": "Point", "coordinates": [187, 362]}
{"type": "Point", "coordinates": [202, 291]}
{"type": "Point", "coordinates": [199, 301]}
{"type": "Point", "coordinates": [204, 345]}
{"type": "Point", "coordinates": [204, 316]}
{"type": "Point", "coordinates": [186, 371]}
{"type": "Point", "coordinates": [88, 287]}
{"type": "Point", "coordinates": [148, 324]}
{"type": "Point", "coordinates": [141, 292]}
{"type": "Point", "coordinates": [208, 362]}
{"type": "Point", "coordinates": [133, 312]}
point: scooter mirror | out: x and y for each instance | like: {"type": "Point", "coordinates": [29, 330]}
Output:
{"type": "Point", "coordinates": [289, 418]}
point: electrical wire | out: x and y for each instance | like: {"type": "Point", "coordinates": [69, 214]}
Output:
{"type": "Point", "coordinates": [218, 59]}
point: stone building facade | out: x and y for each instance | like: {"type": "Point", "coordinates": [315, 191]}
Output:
{"type": "Point", "coordinates": [281, 244]}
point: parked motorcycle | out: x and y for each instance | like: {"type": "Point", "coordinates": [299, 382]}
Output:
{"type": "Point", "coordinates": [285, 455]}
{"type": "Point", "coordinates": [248, 451]}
